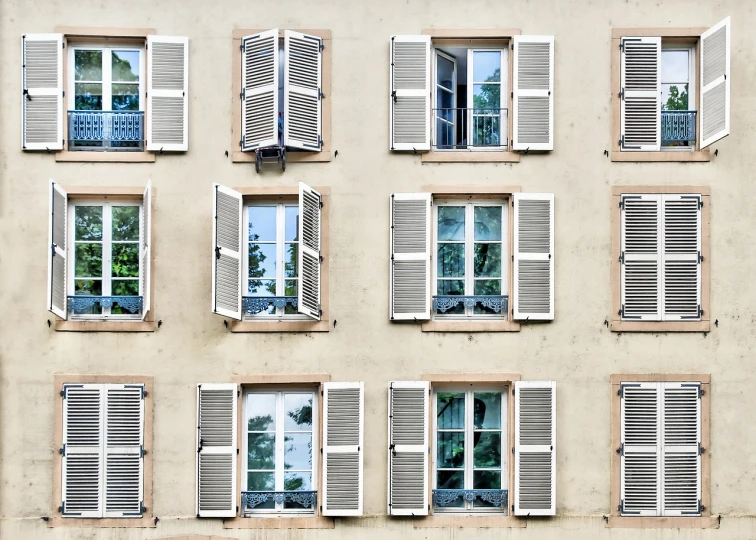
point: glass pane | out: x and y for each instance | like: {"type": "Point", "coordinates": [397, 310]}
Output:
{"type": "Point", "coordinates": [675, 67]}
{"type": "Point", "coordinates": [487, 99]}
{"type": "Point", "coordinates": [88, 288]}
{"type": "Point", "coordinates": [125, 260]}
{"type": "Point", "coordinates": [451, 260]}
{"type": "Point", "coordinates": [297, 451]}
{"type": "Point", "coordinates": [261, 451]}
{"type": "Point", "coordinates": [125, 97]}
{"type": "Point", "coordinates": [450, 480]}
{"type": "Point", "coordinates": [88, 260]}
{"type": "Point", "coordinates": [487, 480]}
{"type": "Point", "coordinates": [675, 97]}
{"type": "Point", "coordinates": [297, 481]}
{"type": "Point", "coordinates": [488, 223]}
{"type": "Point", "coordinates": [88, 96]}
{"type": "Point", "coordinates": [262, 223]}
{"type": "Point", "coordinates": [290, 288]}
{"type": "Point", "coordinates": [487, 260]}
{"type": "Point", "coordinates": [486, 129]}
{"type": "Point", "coordinates": [126, 223]}
{"type": "Point", "coordinates": [487, 451]}
{"type": "Point", "coordinates": [292, 222]}
{"type": "Point", "coordinates": [88, 223]}
{"type": "Point", "coordinates": [262, 287]}
{"type": "Point", "coordinates": [452, 287]}
{"type": "Point", "coordinates": [486, 66]}
{"type": "Point", "coordinates": [488, 287]}
{"type": "Point", "coordinates": [259, 481]}
{"type": "Point", "coordinates": [450, 410]}
{"type": "Point", "coordinates": [444, 129]}
{"type": "Point", "coordinates": [290, 259]}
{"type": "Point", "coordinates": [450, 453]}
{"type": "Point", "coordinates": [445, 100]}
{"type": "Point", "coordinates": [87, 65]}
{"type": "Point", "coordinates": [451, 223]}
{"type": "Point", "coordinates": [124, 287]}
{"type": "Point", "coordinates": [487, 410]}
{"type": "Point", "coordinates": [125, 66]}
{"type": "Point", "coordinates": [261, 412]}
{"type": "Point", "coordinates": [445, 72]}
{"type": "Point", "coordinates": [298, 412]}
{"type": "Point", "coordinates": [262, 260]}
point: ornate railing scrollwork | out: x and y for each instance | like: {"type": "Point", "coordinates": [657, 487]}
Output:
{"type": "Point", "coordinates": [678, 126]}
{"type": "Point", "coordinates": [105, 130]}
{"type": "Point", "coordinates": [251, 499]}
{"type": "Point", "coordinates": [446, 497]}
{"type": "Point", "coordinates": [81, 304]}
{"type": "Point", "coordinates": [252, 305]}
{"type": "Point", "coordinates": [442, 304]}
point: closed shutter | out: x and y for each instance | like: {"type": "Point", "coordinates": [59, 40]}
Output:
{"type": "Point", "coordinates": [167, 93]}
{"type": "Point", "coordinates": [302, 91]}
{"type": "Point", "coordinates": [308, 256]}
{"type": "Point", "coordinates": [533, 93]}
{"type": "Point", "coordinates": [640, 94]}
{"type": "Point", "coordinates": [343, 414]}
{"type": "Point", "coordinates": [227, 252]}
{"type": "Point", "coordinates": [535, 448]}
{"type": "Point", "coordinates": [410, 93]}
{"type": "Point", "coordinates": [682, 257]}
{"type": "Point", "coordinates": [57, 302]}
{"type": "Point", "coordinates": [42, 92]}
{"type": "Point", "coordinates": [410, 256]}
{"type": "Point", "coordinates": [408, 448]}
{"type": "Point", "coordinates": [259, 95]}
{"type": "Point", "coordinates": [216, 450]}
{"type": "Point", "coordinates": [641, 257]}
{"type": "Point", "coordinates": [715, 83]}
{"type": "Point", "coordinates": [534, 256]}
{"type": "Point", "coordinates": [146, 247]}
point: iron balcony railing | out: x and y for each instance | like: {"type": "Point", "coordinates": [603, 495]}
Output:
{"type": "Point", "coordinates": [106, 130]}
{"type": "Point", "coordinates": [453, 497]}
{"type": "Point", "coordinates": [496, 303]}
{"type": "Point", "coordinates": [252, 499]}
{"type": "Point", "coordinates": [469, 128]}
{"type": "Point", "coordinates": [252, 305]}
{"type": "Point", "coordinates": [82, 304]}
{"type": "Point", "coordinates": [678, 126]}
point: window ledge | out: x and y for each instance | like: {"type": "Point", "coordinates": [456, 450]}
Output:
{"type": "Point", "coordinates": [283, 522]}
{"type": "Point", "coordinates": [104, 326]}
{"type": "Point", "coordinates": [145, 522]}
{"type": "Point", "coordinates": [108, 157]}
{"type": "Point", "coordinates": [291, 157]}
{"type": "Point", "coordinates": [470, 157]}
{"type": "Point", "coordinates": [704, 522]}
{"type": "Point", "coordinates": [700, 156]}
{"type": "Point", "coordinates": [279, 326]}
{"type": "Point", "coordinates": [472, 326]}
{"type": "Point", "coordinates": [664, 326]}
{"type": "Point", "coordinates": [467, 521]}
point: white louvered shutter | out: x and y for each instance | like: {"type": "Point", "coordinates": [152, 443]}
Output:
{"type": "Point", "coordinates": [146, 247]}
{"type": "Point", "coordinates": [343, 448]}
{"type": "Point", "coordinates": [308, 256]}
{"type": "Point", "coordinates": [216, 450]}
{"type": "Point", "coordinates": [167, 93]}
{"type": "Point", "coordinates": [410, 93]}
{"type": "Point", "coordinates": [640, 94]}
{"type": "Point", "coordinates": [227, 252]}
{"type": "Point", "coordinates": [57, 301]}
{"type": "Point", "coordinates": [42, 92]}
{"type": "Point", "coordinates": [534, 256]}
{"type": "Point", "coordinates": [83, 406]}
{"type": "Point", "coordinates": [715, 83]}
{"type": "Point", "coordinates": [681, 257]}
{"type": "Point", "coordinates": [641, 257]}
{"type": "Point", "coordinates": [259, 96]}
{"type": "Point", "coordinates": [410, 256]}
{"type": "Point", "coordinates": [302, 90]}
{"type": "Point", "coordinates": [535, 448]}
{"type": "Point", "coordinates": [533, 93]}
{"type": "Point", "coordinates": [408, 448]}
{"type": "Point", "coordinates": [124, 445]}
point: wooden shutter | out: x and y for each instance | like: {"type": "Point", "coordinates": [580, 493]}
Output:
{"type": "Point", "coordinates": [302, 90]}
{"type": "Point", "coordinates": [410, 93]}
{"type": "Point", "coordinates": [534, 256]}
{"type": "Point", "coordinates": [410, 256]}
{"type": "Point", "coordinates": [640, 94]}
{"type": "Point", "coordinates": [146, 247]}
{"type": "Point", "coordinates": [42, 92]}
{"type": "Point", "coordinates": [308, 255]}
{"type": "Point", "coordinates": [259, 95]}
{"type": "Point", "coordinates": [124, 445]}
{"type": "Point", "coordinates": [681, 257]}
{"type": "Point", "coordinates": [715, 83]}
{"type": "Point", "coordinates": [227, 252]}
{"type": "Point", "coordinates": [167, 93]}
{"type": "Point", "coordinates": [343, 415]}
{"type": "Point", "coordinates": [57, 301]}
{"type": "Point", "coordinates": [216, 450]}
{"type": "Point", "coordinates": [535, 448]}
{"type": "Point", "coordinates": [533, 93]}
{"type": "Point", "coordinates": [408, 448]}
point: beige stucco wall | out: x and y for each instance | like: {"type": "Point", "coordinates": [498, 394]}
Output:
{"type": "Point", "coordinates": [193, 345]}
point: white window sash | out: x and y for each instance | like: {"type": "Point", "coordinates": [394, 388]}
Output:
{"type": "Point", "coordinates": [692, 94]}
{"type": "Point", "coordinates": [504, 90]}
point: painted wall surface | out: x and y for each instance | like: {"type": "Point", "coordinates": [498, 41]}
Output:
{"type": "Point", "coordinates": [193, 345]}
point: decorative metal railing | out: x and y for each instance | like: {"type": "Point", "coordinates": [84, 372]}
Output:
{"type": "Point", "coordinates": [466, 129]}
{"type": "Point", "coordinates": [106, 130]}
{"type": "Point", "coordinates": [447, 497]}
{"type": "Point", "coordinates": [442, 304]}
{"type": "Point", "coordinates": [252, 499]}
{"type": "Point", "coordinates": [252, 305]}
{"type": "Point", "coordinates": [678, 126]}
{"type": "Point", "coordinates": [82, 304]}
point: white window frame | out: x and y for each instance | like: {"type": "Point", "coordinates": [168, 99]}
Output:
{"type": "Point", "coordinates": [436, 88]}
{"type": "Point", "coordinates": [690, 48]}
{"type": "Point", "coordinates": [469, 449]}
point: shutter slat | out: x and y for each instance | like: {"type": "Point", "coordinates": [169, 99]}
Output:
{"type": "Point", "coordinates": [259, 84]}
{"type": "Point", "coordinates": [57, 301]}
{"type": "Point", "coordinates": [410, 256]}
{"type": "Point", "coordinates": [227, 252]}
{"type": "Point", "coordinates": [168, 93]}
{"type": "Point", "coordinates": [715, 83]}
{"type": "Point", "coordinates": [641, 94]}
{"type": "Point", "coordinates": [302, 87]}
{"type": "Point", "coordinates": [308, 256]}
{"type": "Point", "coordinates": [410, 93]}
{"type": "Point", "coordinates": [42, 92]}
{"type": "Point", "coordinates": [533, 93]}
{"type": "Point", "coordinates": [534, 256]}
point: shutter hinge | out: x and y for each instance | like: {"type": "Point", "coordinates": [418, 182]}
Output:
{"type": "Point", "coordinates": [701, 449]}
{"type": "Point", "coordinates": [64, 93]}
{"type": "Point", "coordinates": [622, 203]}
{"type": "Point", "coordinates": [237, 451]}
{"type": "Point", "coordinates": [321, 95]}
{"type": "Point", "coordinates": [62, 44]}
{"type": "Point", "coordinates": [237, 509]}
{"type": "Point", "coordinates": [62, 507]}
{"type": "Point", "coordinates": [217, 252]}
{"type": "Point", "coordinates": [242, 94]}
{"type": "Point", "coordinates": [622, 257]}
{"type": "Point", "coordinates": [622, 93]}
{"type": "Point", "coordinates": [622, 141]}
{"type": "Point", "coordinates": [141, 450]}
{"type": "Point", "coordinates": [622, 310]}
{"type": "Point", "coordinates": [621, 449]}
{"type": "Point", "coordinates": [142, 508]}
{"type": "Point", "coordinates": [700, 258]}
{"type": "Point", "coordinates": [511, 94]}
{"type": "Point", "coordinates": [241, 47]}
{"type": "Point", "coordinates": [393, 95]}
{"type": "Point", "coordinates": [238, 393]}
{"type": "Point", "coordinates": [321, 46]}
{"type": "Point", "coordinates": [621, 391]}
{"type": "Point", "coordinates": [701, 391]}
{"type": "Point", "coordinates": [700, 311]}
{"type": "Point", "coordinates": [62, 451]}
{"type": "Point", "coordinates": [241, 142]}
{"type": "Point", "coordinates": [701, 507]}
{"type": "Point", "coordinates": [320, 257]}
{"type": "Point", "coordinates": [320, 144]}
{"type": "Point", "coordinates": [146, 46]}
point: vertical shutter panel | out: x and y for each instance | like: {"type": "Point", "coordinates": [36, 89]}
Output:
{"type": "Point", "coordinates": [408, 448]}
{"type": "Point", "coordinates": [343, 413]}
{"type": "Point", "coordinates": [534, 256]}
{"type": "Point", "coordinates": [308, 256]}
{"type": "Point", "coordinates": [715, 83]}
{"type": "Point", "coordinates": [641, 93]}
{"type": "Point", "coordinates": [682, 248]}
{"type": "Point", "coordinates": [302, 88]}
{"type": "Point", "coordinates": [168, 93]}
{"type": "Point", "coordinates": [533, 93]}
{"type": "Point", "coordinates": [42, 92]}
{"type": "Point", "coordinates": [146, 247]}
{"type": "Point", "coordinates": [216, 450]}
{"type": "Point", "coordinates": [535, 448]}
{"type": "Point", "coordinates": [227, 252]}
{"type": "Point", "coordinates": [410, 93]}
{"type": "Point", "coordinates": [259, 99]}
{"type": "Point", "coordinates": [641, 260]}
{"type": "Point", "coordinates": [57, 302]}
{"type": "Point", "coordinates": [410, 256]}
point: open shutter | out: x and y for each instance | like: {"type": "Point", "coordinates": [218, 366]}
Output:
{"type": "Point", "coordinates": [343, 415]}
{"type": "Point", "coordinates": [410, 93]}
{"type": "Point", "coordinates": [167, 93]}
{"type": "Point", "coordinates": [640, 442]}
{"type": "Point", "coordinates": [308, 256]}
{"type": "Point", "coordinates": [410, 256]}
{"type": "Point", "coordinates": [216, 450]}
{"type": "Point", "coordinates": [408, 448]}
{"type": "Point", "coordinates": [533, 93]}
{"type": "Point", "coordinates": [302, 90]}
{"type": "Point", "coordinates": [42, 92]}
{"type": "Point", "coordinates": [715, 83]}
{"type": "Point", "coordinates": [124, 445]}
{"type": "Point", "coordinates": [259, 95]}
{"type": "Point", "coordinates": [535, 448]}
{"type": "Point", "coordinates": [57, 302]}
{"type": "Point", "coordinates": [682, 260]}
{"type": "Point", "coordinates": [227, 252]}
{"type": "Point", "coordinates": [640, 94]}
{"type": "Point", "coordinates": [83, 406]}
{"type": "Point", "coordinates": [640, 257]}
{"type": "Point", "coordinates": [534, 256]}
{"type": "Point", "coordinates": [146, 247]}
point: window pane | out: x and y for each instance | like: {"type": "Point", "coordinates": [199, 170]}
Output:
{"type": "Point", "coordinates": [125, 97]}
{"type": "Point", "coordinates": [450, 410]}
{"type": "Point", "coordinates": [675, 66]}
{"type": "Point", "coordinates": [88, 260]}
{"type": "Point", "coordinates": [290, 288]}
{"type": "Point", "coordinates": [125, 260]}
{"type": "Point", "coordinates": [487, 260]}
{"type": "Point", "coordinates": [451, 287]}
{"type": "Point", "coordinates": [488, 223]}
{"type": "Point", "coordinates": [290, 258]}
{"type": "Point", "coordinates": [486, 66]}
{"type": "Point", "coordinates": [125, 65]}
{"type": "Point", "coordinates": [259, 481]}
{"type": "Point", "coordinates": [261, 412]}
{"type": "Point", "coordinates": [487, 480]}
{"type": "Point", "coordinates": [261, 451]}
{"type": "Point", "coordinates": [124, 287]}
{"type": "Point", "coordinates": [487, 452]}
{"type": "Point", "coordinates": [298, 412]}
{"type": "Point", "coordinates": [450, 452]}
{"type": "Point", "coordinates": [262, 223]}
{"type": "Point", "coordinates": [488, 97]}
{"type": "Point", "coordinates": [451, 260]}
{"type": "Point", "coordinates": [488, 287]}
{"type": "Point", "coordinates": [88, 223]}
{"type": "Point", "coordinates": [88, 96]}
{"type": "Point", "coordinates": [297, 481]}
{"type": "Point", "coordinates": [487, 410]}
{"type": "Point", "coordinates": [262, 260]}
{"type": "Point", "coordinates": [262, 287]}
{"type": "Point", "coordinates": [445, 72]}
{"type": "Point", "coordinates": [126, 223]}
{"type": "Point", "coordinates": [297, 451]}
{"type": "Point", "coordinates": [87, 65]}
{"type": "Point", "coordinates": [451, 223]}
{"type": "Point", "coordinates": [292, 222]}
{"type": "Point", "coordinates": [675, 97]}
{"type": "Point", "coordinates": [445, 100]}
{"type": "Point", "coordinates": [88, 288]}
{"type": "Point", "coordinates": [450, 480]}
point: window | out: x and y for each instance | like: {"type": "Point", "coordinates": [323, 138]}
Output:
{"type": "Point", "coordinates": [678, 119]}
